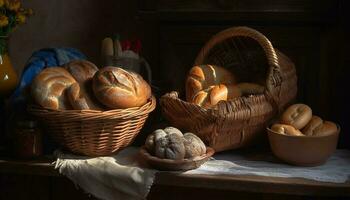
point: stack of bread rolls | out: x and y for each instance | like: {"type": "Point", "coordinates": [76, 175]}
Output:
{"type": "Point", "coordinates": [170, 143]}
{"type": "Point", "coordinates": [297, 120]}
{"type": "Point", "coordinates": [206, 85]}
{"type": "Point", "coordinates": [80, 85]}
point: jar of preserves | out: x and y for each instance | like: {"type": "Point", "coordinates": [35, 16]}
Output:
{"type": "Point", "coordinates": [27, 139]}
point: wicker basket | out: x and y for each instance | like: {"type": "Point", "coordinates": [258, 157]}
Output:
{"type": "Point", "coordinates": [94, 133]}
{"type": "Point", "coordinates": [239, 122]}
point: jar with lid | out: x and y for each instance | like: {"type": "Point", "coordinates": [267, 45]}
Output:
{"type": "Point", "coordinates": [27, 140]}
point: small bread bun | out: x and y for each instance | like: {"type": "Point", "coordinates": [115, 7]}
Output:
{"type": "Point", "coordinates": [297, 115]}
{"type": "Point", "coordinates": [318, 127]}
{"type": "Point", "coordinates": [312, 125]}
{"type": "Point", "coordinates": [194, 146]}
{"type": "Point", "coordinates": [202, 77]}
{"type": "Point", "coordinates": [211, 96]}
{"type": "Point", "coordinates": [285, 129]}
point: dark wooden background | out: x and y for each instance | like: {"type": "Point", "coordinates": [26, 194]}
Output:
{"type": "Point", "coordinates": [314, 34]}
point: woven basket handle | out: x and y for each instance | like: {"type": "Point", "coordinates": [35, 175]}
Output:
{"type": "Point", "coordinates": [274, 78]}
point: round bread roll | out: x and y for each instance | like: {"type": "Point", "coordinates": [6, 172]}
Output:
{"type": "Point", "coordinates": [202, 77]}
{"type": "Point", "coordinates": [117, 88]}
{"type": "Point", "coordinates": [169, 145]}
{"type": "Point", "coordinates": [318, 127]}
{"type": "Point", "coordinates": [285, 129]}
{"type": "Point", "coordinates": [297, 115]}
{"type": "Point", "coordinates": [80, 95]}
{"type": "Point", "coordinates": [49, 88]}
{"type": "Point", "coordinates": [194, 146]}
{"type": "Point", "coordinates": [312, 125]}
{"type": "Point", "coordinates": [211, 96]}
{"type": "Point", "coordinates": [150, 143]}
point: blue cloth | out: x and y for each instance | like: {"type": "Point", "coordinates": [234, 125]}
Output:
{"type": "Point", "coordinates": [41, 59]}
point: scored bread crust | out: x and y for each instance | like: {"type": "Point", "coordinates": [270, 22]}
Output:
{"type": "Point", "coordinates": [117, 88]}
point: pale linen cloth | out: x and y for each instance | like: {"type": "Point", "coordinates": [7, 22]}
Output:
{"type": "Point", "coordinates": [112, 177]}
{"type": "Point", "coordinates": [336, 169]}
{"type": "Point", "coordinates": [123, 176]}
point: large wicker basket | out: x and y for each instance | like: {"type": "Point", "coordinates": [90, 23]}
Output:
{"type": "Point", "coordinates": [239, 122]}
{"type": "Point", "coordinates": [94, 133]}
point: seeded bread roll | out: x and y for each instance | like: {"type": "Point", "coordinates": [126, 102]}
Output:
{"type": "Point", "coordinates": [49, 87]}
{"type": "Point", "coordinates": [117, 88]}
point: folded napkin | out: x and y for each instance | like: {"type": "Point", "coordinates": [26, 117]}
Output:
{"type": "Point", "coordinates": [112, 177]}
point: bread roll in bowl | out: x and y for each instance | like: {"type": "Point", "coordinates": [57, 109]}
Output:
{"type": "Point", "coordinates": [285, 129]}
{"type": "Point", "coordinates": [48, 88]}
{"type": "Point", "coordinates": [318, 127]}
{"type": "Point", "coordinates": [297, 115]}
{"type": "Point", "coordinates": [117, 88]}
{"type": "Point", "coordinates": [202, 77]}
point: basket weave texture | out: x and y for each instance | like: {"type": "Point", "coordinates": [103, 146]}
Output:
{"type": "Point", "coordinates": [241, 121]}
{"type": "Point", "coordinates": [94, 133]}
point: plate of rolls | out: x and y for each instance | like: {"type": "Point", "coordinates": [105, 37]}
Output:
{"type": "Point", "coordinates": [91, 111]}
{"type": "Point", "coordinates": [301, 138]}
{"type": "Point", "coordinates": [170, 149]}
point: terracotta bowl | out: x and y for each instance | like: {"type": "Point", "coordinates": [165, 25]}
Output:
{"type": "Point", "coordinates": [303, 150]}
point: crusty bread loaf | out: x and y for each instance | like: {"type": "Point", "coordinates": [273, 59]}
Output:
{"type": "Point", "coordinates": [297, 115]}
{"type": "Point", "coordinates": [48, 89]}
{"type": "Point", "coordinates": [117, 88]}
{"type": "Point", "coordinates": [202, 77]}
{"type": "Point", "coordinates": [285, 129]}
{"type": "Point", "coordinates": [212, 95]}
{"type": "Point", "coordinates": [81, 96]}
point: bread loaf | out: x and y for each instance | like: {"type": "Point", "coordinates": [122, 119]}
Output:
{"type": "Point", "coordinates": [81, 95]}
{"type": "Point", "coordinates": [117, 88]}
{"type": "Point", "coordinates": [48, 88]}
{"type": "Point", "coordinates": [202, 77]}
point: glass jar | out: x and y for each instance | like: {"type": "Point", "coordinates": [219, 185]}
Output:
{"type": "Point", "coordinates": [27, 139]}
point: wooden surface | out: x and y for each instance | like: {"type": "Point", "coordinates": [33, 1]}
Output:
{"type": "Point", "coordinates": [238, 183]}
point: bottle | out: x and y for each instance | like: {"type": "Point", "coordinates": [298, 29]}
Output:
{"type": "Point", "coordinates": [27, 140]}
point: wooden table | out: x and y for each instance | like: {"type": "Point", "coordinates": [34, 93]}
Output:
{"type": "Point", "coordinates": [167, 183]}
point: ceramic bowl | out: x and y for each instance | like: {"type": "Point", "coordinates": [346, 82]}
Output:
{"type": "Point", "coordinates": [303, 150]}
